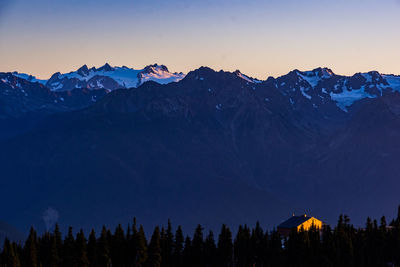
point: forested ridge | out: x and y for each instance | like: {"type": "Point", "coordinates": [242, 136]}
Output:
{"type": "Point", "coordinates": [376, 244]}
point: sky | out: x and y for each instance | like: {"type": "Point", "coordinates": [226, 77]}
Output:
{"type": "Point", "coordinates": [259, 37]}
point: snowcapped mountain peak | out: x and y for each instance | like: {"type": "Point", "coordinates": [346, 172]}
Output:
{"type": "Point", "coordinates": [313, 77]}
{"type": "Point", "coordinates": [375, 78]}
{"type": "Point", "coordinates": [324, 73]}
{"type": "Point", "coordinates": [158, 73]}
{"type": "Point", "coordinates": [155, 68]}
{"type": "Point", "coordinates": [109, 77]}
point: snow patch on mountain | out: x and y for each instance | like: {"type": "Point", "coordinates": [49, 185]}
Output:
{"type": "Point", "coordinates": [29, 78]}
{"type": "Point", "coordinates": [315, 76]}
{"type": "Point", "coordinates": [57, 86]}
{"type": "Point", "coordinates": [367, 76]}
{"type": "Point", "coordinates": [312, 80]}
{"type": "Point", "coordinates": [393, 80]}
{"type": "Point", "coordinates": [348, 97]}
{"type": "Point", "coordinates": [303, 92]}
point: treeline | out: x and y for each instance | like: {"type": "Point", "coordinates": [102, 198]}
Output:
{"type": "Point", "coordinates": [378, 244]}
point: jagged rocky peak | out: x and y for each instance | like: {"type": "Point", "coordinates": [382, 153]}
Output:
{"type": "Point", "coordinates": [28, 77]}
{"type": "Point", "coordinates": [357, 81]}
{"type": "Point", "coordinates": [306, 78]}
{"type": "Point", "coordinates": [55, 76]}
{"type": "Point", "coordinates": [323, 72]}
{"type": "Point", "coordinates": [239, 74]}
{"type": "Point", "coordinates": [7, 78]}
{"type": "Point", "coordinates": [200, 72]}
{"type": "Point", "coordinates": [292, 78]}
{"type": "Point", "coordinates": [83, 71]}
{"type": "Point", "coordinates": [375, 78]}
{"type": "Point", "coordinates": [106, 67]}
{"type": "Point", "coordinates": [320, 73]}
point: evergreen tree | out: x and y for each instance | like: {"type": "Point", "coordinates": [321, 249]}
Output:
{"type": "Point", "coordinates": [103, 249]}
{"type": "Point", "coordinates": [210, 250]}
{"type": "Point", "coordinates": [275, 250]}
{"type": "Point", "coordinates": [140, 247]}
{"type": "Point", "coordinates": [257, 241]}
{"type": "Point", "coordinates": [9, 256]}
{"type": "Point", "coordinates": [187, 257]}
{"type": "Point", "coordinates": [370, 239]}
{"type": "Point", "coordinates": [118, 246]}
{"type": "Point", "coordinates": [243, 247]}
{"type": "Point", "coordinates": [56, 247]}
{"type": "Point", "coordinates": [128, 259]}
{"type": "Point", "coordinates": [295, 249]}
{"type": "Point", "coordinates": [178, 247]}
{"type": "Point", "coordinates": [55, 258]}
{"type": "Point", "coordinates": [383, 241]}
{"type": "Point", "coordinates": [31, 250]}
{"type": "Point", "coordinates": [344, 243]}
{"type": "Point", "coordinates": [359, 243]}
{"type": "Point", "coordinates": [44, 244]}
{"type": "Point", "coordinates": [167, 246]}
{"type": "Point", "coordinates": [225, 247]}
{"type": "Point", "coordinates": [81, 250]}
{"type": "Point", "coordinates": [92, 249]}
{"type": "Point", "coordinates": [197, 247]}
{"type": "Point", "coordinates": [154, 250]}
{"type": "Point", "coordinates": [328, 246]}
{"type": "Point", "coordinates": [163, 243]}
{"type": "Point", "coordinates": [69, 251]}
{"type": "Point", "coordinates": [314, 248]}
{"type": "Point", "coordinates": [131, 239]}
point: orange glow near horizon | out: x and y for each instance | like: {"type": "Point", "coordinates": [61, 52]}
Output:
{"type": "Point", "coordinates": [260, 38]}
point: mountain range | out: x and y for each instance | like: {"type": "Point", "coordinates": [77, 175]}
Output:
{"type": "Point", "coordinates": [107, 77]}
{"type": "Point", "coordinates": [210, 147]}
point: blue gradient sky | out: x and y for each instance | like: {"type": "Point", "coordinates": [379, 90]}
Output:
{"type": "Point", "coordinates": [259, 37]}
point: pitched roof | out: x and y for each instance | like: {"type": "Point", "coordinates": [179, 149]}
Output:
{"type": "Point", "coordinates": [294, 221]}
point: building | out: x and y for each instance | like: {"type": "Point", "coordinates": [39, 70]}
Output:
{"type": "Point", "coordinates": [297, 223]}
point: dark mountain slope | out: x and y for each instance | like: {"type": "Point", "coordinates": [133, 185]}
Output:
{"type": "Point", "coordinates": [212, 148]}
{"type": "Point", "coordinates": [167, 157]}
{"type": "Point", "coordinates": [109, 172]}
{"type": "Point", "coordinates": [23, 103]}
{"type": "Point", "coordinates": [10, 232]}
{"type": "Point", "coordinates": [358, 168]}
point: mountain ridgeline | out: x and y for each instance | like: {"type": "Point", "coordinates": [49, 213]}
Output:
{"type": "Point", "coordinates": [210, 147]}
